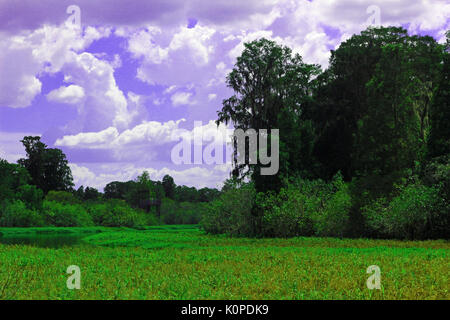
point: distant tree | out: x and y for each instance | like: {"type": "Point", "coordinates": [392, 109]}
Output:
{"type": "Point", "coordinates": [142, 189]}
{"type": "Point", "coordinates": [91, 194]}
{"type": "Point", "coordinates": [80, 193]}
{"type": "Point", "coordinates": [169, 186]}
{"type": "Point", "coordinates": [117, 189]}
{"type": "Point", "coordinates": [12, 177]}
{"type": "Point", "coordinates": [159, 190]}
{"type": "Point", "coordinates": [47, 167]}
{"type": "Point", "coordinates": [207, 194]}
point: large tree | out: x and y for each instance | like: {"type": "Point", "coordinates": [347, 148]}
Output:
{"type": "Point", "coordinates": [48, 168]}
{"type": "Point", "coordinates": [271, 88]}
{"type": "Point", "coordinates": [439, 142]}
{"type": "Point", "coordinates": [372, 111]}
{"type": "Point", "coordinates": [12, 177]}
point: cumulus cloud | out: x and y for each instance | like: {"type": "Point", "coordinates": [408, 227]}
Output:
{"type": "Point", "coordinates": [72, 94]}
{"type": "Point", "coordinates": [18, 82]}
{"type": "Point", "coordinates": [25, 56]}
{"type": "Point", "coordinates": [148, 133]}
{"type": "Point", "coordinates": [199, 177]}
{"type": "Point", "coordinates": [105, 104]}
{"type": "Point", "coordinates": [181, 98]}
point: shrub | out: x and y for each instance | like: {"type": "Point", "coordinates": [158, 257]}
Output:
{"type": "Point", "coordinates": [305, 208]}
{"type": "Point", "coordinates": [66, 215]}
{"type": "Point", "coordinates": [231, 212]}
{"type": "Point", "coordinates": [417, 212]}
{"type": "Point", "coordinates": [16, 214]}
{"type": "Point", "coordinates": [31, 196]}
{"type": "Point", "coordinates": [173, 212]}
{"type": "Point", "coordinates": [288, 213]}
{"type": "Point", "coordinates": [332, 218]}
{"type": "Point", "coordinates": [97, 211]}
{"type": "Point", "coordinates": [117, 213]}
{"type": "Point", "coordinates": [62, 197]}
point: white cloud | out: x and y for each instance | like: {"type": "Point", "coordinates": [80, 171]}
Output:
{"type": "Point", "coordinates": [199, 177]}
{"type": "Point", "coordinates": [23, 57]}
{"type": "Point", "coordinates": [104, 104]}
{"type": "Point", "coordinates": [18, 82]}
{"type": "Point", "coordinates": [181, 98]}
{"type": "Point", "coordinates": [72, 94]}
{"type": "Point", "coordinates": [146, 136]}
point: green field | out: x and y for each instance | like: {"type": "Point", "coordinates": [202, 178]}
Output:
{"type": "Point", "coordinates": [181, 262]}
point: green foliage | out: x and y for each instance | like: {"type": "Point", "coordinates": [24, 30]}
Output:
{"type": "Point", "coordinates": [439, 142]}
{"type": "Point", "coordinates": [117, 213]}
{"type": "Point", "coordinates": [47, 167]}
{"type": "Point", "coordinates": [417, 212]}
{"type": "Point", "coordinates": [12, 177]}
{"type": "Point", "coordinates": [332, 220]}
{"type": "Point", "coordinates": [169, 186]}
{"type": "Point", "coordinates": [231, 213]}
{"type": "Point", "coordinates": [63, 197]}
{"type": "Point", "coordinates": [31, 196]}
{"type": "Point", "coordinates": [66, 215]}
{"type": "Point", "coordinates": [16, 214]}
{"type": "Point", "coordinates": [173, 212]}
{"type": "Point", "coordinates": [305, 208]}
{"type": "Point", "coordinates": [270, 84]}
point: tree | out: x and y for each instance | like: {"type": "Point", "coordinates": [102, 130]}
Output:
{"type": "Point", "coordinates": [91, 194]}
{"type": "Point", "coordinates": [270, 83]}
{"type": "Point", "coordinates": [439, 142]}
{"type": "Point", "coordinates": [47, 167]}
{"type": "Point", "coordinates": [12, 177]}
{"type": "Point", "coordinates": [141, 190]}
{"type": "Point", "coordinates": [169, 186]}
{"type": "Point", "coordinates": [117, 189]}
{"type": "Point", "coordinates": [372, 104]}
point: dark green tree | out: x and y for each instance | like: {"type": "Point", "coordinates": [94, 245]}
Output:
{"type": "Point", "coordinates": [271, 88]}
{"type": "Point", "coordinates": [12, 177]}
{"type": "Point", "coordinates": [439, 142]}
{"type": "Point", "coordinates": [48, 168]}
{"type": "Point", "coordinates": [169, 186]}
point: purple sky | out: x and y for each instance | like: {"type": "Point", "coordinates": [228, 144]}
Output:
{"type": "Point", "coordinates": [117, 94]}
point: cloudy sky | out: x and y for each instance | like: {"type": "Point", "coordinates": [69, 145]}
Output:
{"type": "Point", "coordinates": [118, 93]}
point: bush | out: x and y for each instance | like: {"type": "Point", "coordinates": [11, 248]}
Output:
{"type": "Point", "coordinates": [288, 213]}
{"type": "Point", "coordinates": [31, 196]}
{"type": "Point", "coordinates": [417, 212]}
{"type": "Point", "coordinates": [332, 218]}
{"type": "Point", "coordinates": [117, 213]}
{"type": "Point", "coordinates": [62, 197]}
{"type": "Point", "coordinates": [231, 212]}
{"type": "Point", "coordinates": [66, 215]}
{"type": "Point", "coordinates": [173, 212]}
{"type": "Point", "coordinates": [16, 214]}
{"type": "Point", "coordinates": [305, 208]}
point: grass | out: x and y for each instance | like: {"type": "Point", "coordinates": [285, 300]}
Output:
{"type": "Point", "coordinates": [181, 262]}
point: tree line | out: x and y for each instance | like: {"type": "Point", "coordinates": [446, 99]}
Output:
{"type": "Point", "coordinates": [364, 144]}
{"type": "Point", "coordinates": [39, 190]}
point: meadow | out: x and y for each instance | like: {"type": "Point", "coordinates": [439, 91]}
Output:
{"type": "Point", "coordinates": [182, 262]}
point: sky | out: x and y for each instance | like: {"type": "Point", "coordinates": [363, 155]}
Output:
{"type": "Point", "coordinates": [119, 85]}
